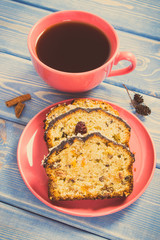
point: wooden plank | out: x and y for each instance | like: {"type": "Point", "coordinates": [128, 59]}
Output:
{"type": "Point", "coordinates": [16, 224]}
{"type": "Point", "coordinates": [123, 14]}
{"type": "Point", "coordinates": [145, 78]}
{"type": "Point", "coordinates": [18, 77]}
{"type": "Point", "coordinates": [138, 221]}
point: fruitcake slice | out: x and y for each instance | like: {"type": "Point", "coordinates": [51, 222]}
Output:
{"type": "Point", "coordinates": [91, 167]}
{"type": "Point", "coordinates": [84, 121]}
{"type": "Point", "coordinates": [79, 102]}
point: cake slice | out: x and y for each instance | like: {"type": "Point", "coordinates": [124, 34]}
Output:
{"type": "Point", "coordinates": [81, 121]}
{"type": "Point", "coordinates": [91, 167]}
{"type": "Point", "coordinates": [79, 102]}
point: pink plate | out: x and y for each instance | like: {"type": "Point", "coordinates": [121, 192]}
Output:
{"type": "Point", "coordinates": [32, 148]}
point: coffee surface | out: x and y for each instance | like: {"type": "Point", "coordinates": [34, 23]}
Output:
{"type": "Point", "coordinates": [73, 47]}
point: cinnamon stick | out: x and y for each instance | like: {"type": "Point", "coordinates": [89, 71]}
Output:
{"type": "Point", "coordinates": [18, 109]}
{"type": "Point", "coordinates": [18, 99]}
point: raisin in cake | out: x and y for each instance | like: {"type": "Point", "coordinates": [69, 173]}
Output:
{"type": "Point", "coordinates": [83, 103]}
{"type": "Point", "coordinates": [92, 120]}
{"type": "Point", "coordinates": [91, 167]}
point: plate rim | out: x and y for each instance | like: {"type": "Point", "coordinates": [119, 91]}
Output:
{"type": "Point", "coordinates": [72, 212]}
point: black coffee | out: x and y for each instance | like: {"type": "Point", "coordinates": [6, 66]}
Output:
{"type": "Point", "coordinates": [73, 47]}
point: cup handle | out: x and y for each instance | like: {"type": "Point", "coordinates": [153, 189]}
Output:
{"type": "Point", "coordinates": [124, 56]}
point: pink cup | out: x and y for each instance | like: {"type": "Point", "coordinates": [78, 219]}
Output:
{"type": "Point", "coordinates": [84, 81]}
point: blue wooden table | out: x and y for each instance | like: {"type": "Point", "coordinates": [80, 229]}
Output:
{"type": "Point", "coordinates": [22, 215]}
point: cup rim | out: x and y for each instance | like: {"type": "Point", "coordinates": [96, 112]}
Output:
{"type": "Point", "coordinates": [33, 55]}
